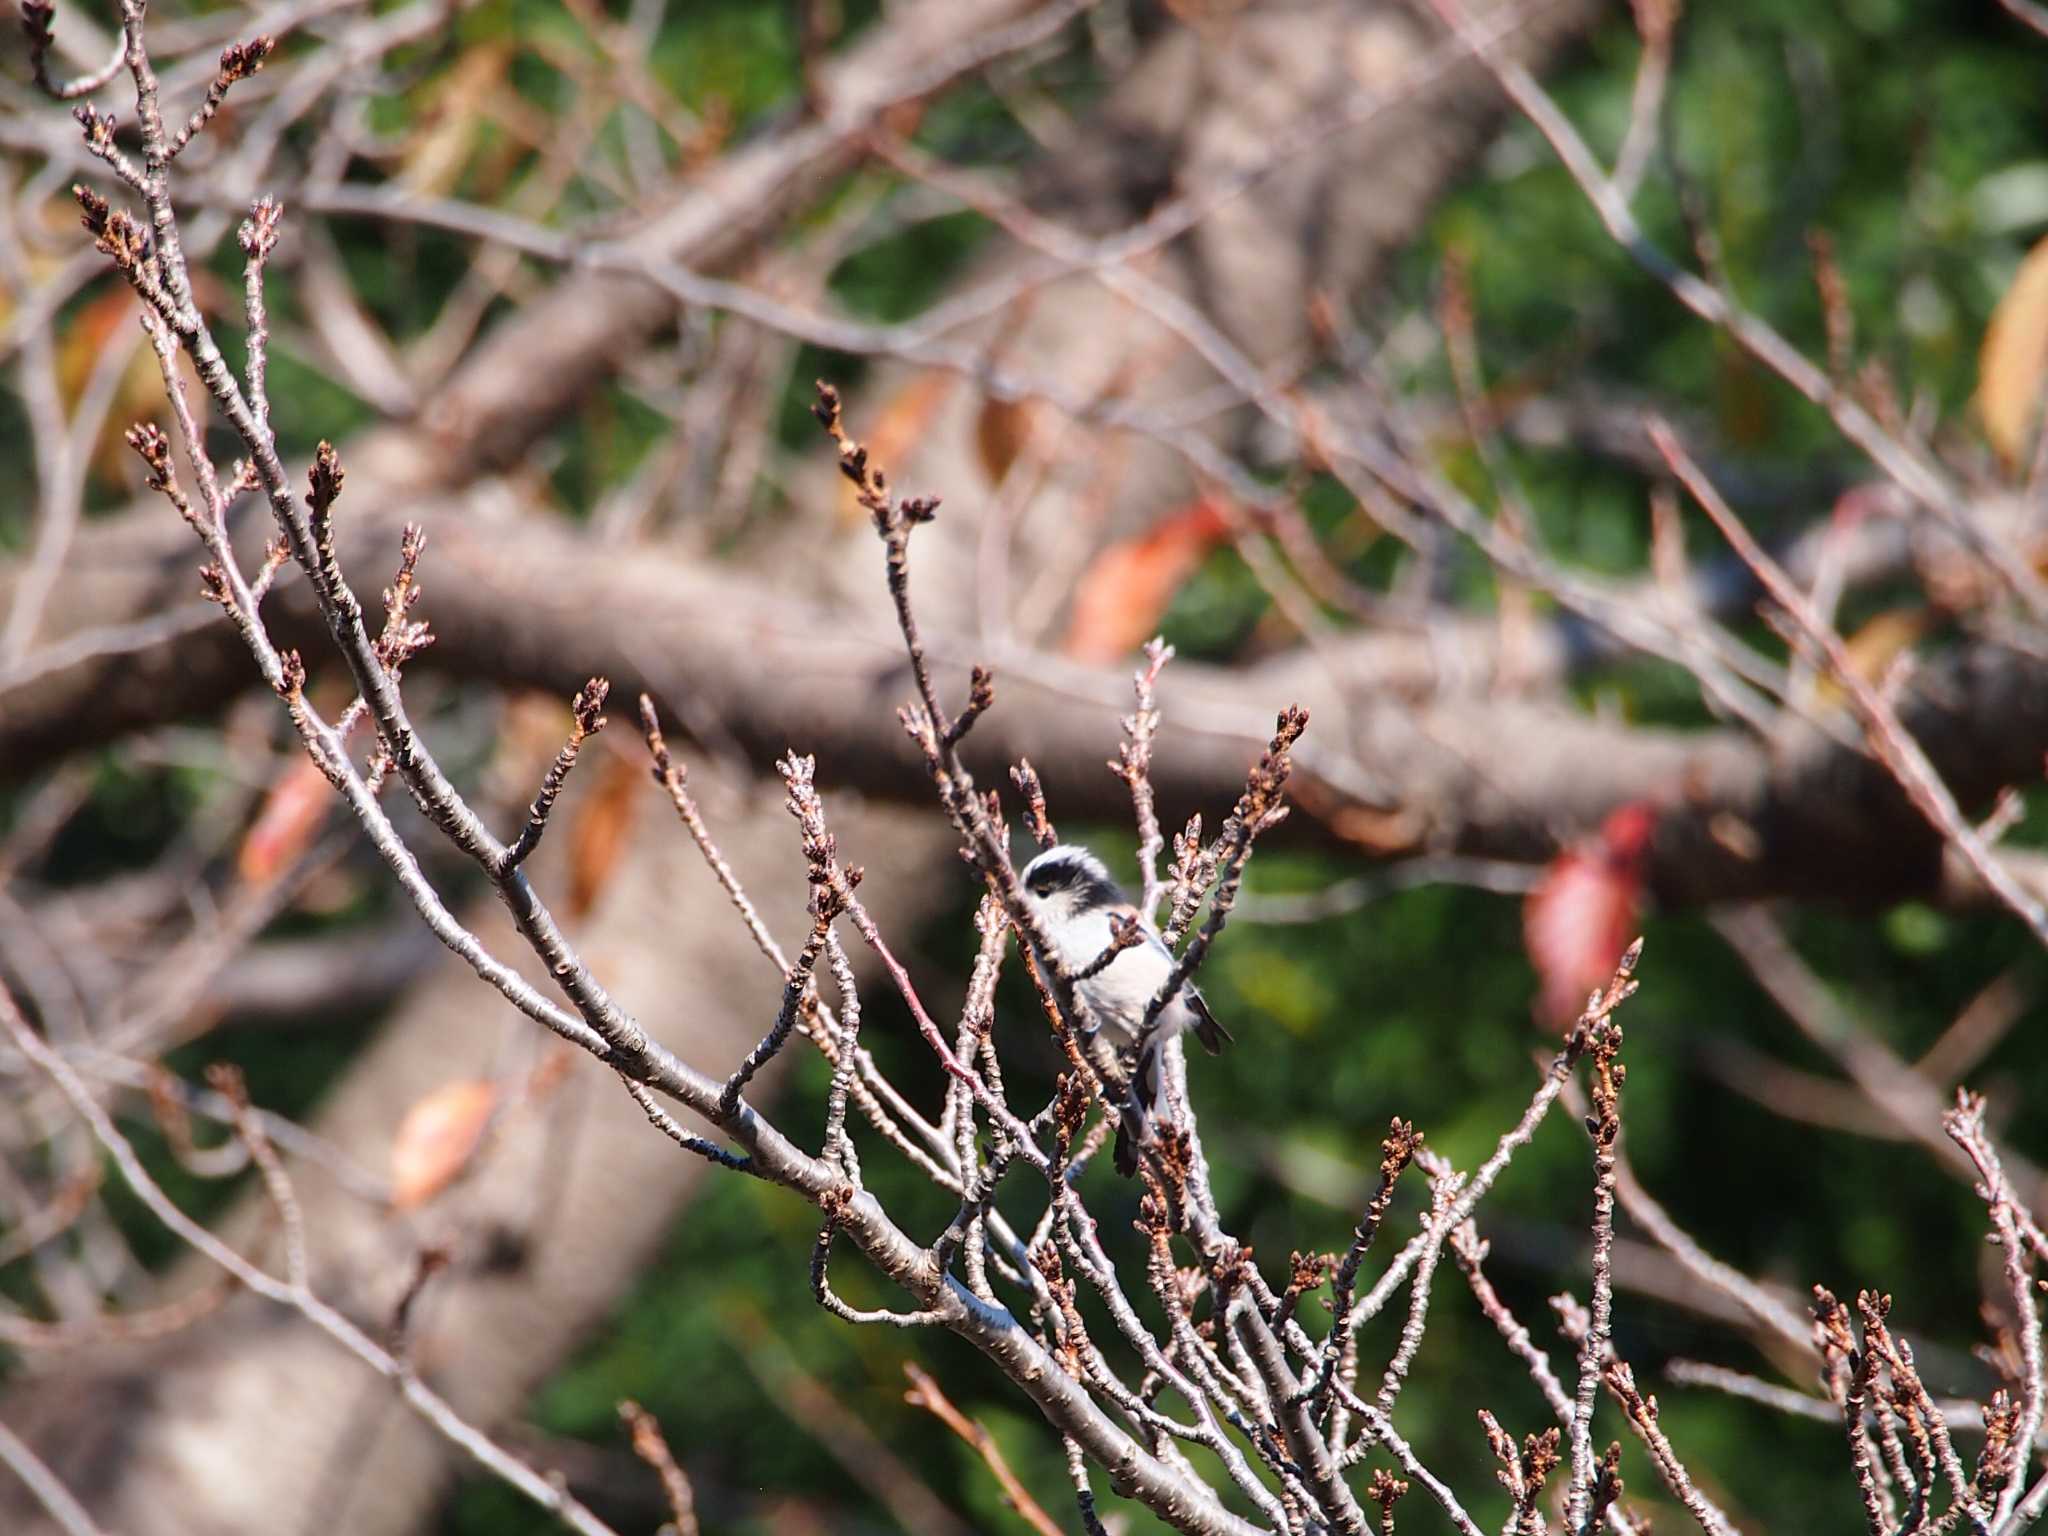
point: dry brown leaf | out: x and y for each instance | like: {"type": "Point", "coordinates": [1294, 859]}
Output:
{"type": "Point", "coordinates": [437, 1138]}
{"type": "Point", "coordinates": [530, 732]}
{"type": "Point", "coordinates": [99, 322]}
{"type": "Point", "coordinates": [2011, 366]}
{"type": "Point", "coordinates": [599, 836]}
{"type": "Point", "coordinates": [292, 812]}
{"type": "Point", "coordinates": [1123, 594]}
{"type": "Point", "coordinates": [556, 1062]}
{"type": "Point", "coordinates": [1384, 832]}
{"type": "Point", "coordinates": [1001, 430]}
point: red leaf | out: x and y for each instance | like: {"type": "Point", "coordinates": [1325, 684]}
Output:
{"type": "Point", "coordinates": [1586, 911]}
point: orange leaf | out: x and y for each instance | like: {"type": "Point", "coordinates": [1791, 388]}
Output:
{"type": "Point", "coordinates": [1123, 594]}
{"type": "Point", "coordinates": [292, 812]}
{"type": "Point", "coordinates": [437, 1138]}
{"type": "Point", "coordinates": [2011, 366]}
{"type": "Point", "coordinates": [599, 836]}
{"type": "Point", "coordinates": [1585, 912]}
{"type": "Point", "coordinates": [98, 324]}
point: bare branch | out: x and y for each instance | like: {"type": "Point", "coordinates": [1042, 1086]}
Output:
{"type": "Point", "coordinates": [652, 1448]}
{"type": "Point", "coordinates": [589, 720]}
{"type": "Point", "coordinates": [1605, 1128]}
{"type": "Point", "coordinates": [58, 1501]}
{"type": "Point", "coordinates": [924, 1393]}
{"type": "Point", "coordinates": [38, 20]}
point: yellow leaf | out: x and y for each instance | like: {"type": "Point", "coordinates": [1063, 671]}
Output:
{"type": "Point", "coordinates": [1874, 647]}
{"type": "Point", "coordinates": [440, 146]}
{"type": "Point", "coordinates": [2010, 369]}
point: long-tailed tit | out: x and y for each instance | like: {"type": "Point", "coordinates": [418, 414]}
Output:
{"type": "Point", "coordinates": [1075, 899]}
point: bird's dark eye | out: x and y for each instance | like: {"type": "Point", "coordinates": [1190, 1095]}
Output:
{"type": "Point", "coordinates": [1041, 884]}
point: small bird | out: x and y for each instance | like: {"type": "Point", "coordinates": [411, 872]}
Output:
{"type": "Point", "coordinates": [1074, 898]}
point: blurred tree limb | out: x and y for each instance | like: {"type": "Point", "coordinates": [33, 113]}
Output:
{"type": "Point", "coordinates": [1489, 775]}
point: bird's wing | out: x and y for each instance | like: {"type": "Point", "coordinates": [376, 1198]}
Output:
{"type": "Point", "coordinates": [1212, 1034]}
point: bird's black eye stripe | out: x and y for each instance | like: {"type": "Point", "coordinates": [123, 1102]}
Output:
{"type": "Point", "coordinates": [1044, 881]}
{"type": "Point", "coordinates": [1093, 890]}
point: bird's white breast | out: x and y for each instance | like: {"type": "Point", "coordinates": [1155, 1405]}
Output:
{"type": "Point", "coordinates": [1122, 992]}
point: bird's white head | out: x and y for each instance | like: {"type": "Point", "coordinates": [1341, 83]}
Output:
{"type": "Point", "coordinates": [1066, 881]}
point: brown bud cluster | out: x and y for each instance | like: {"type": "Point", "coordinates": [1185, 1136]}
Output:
{"type": "Point", "coordinates": [117, 236]}
{"type": "Point", "coordinates": [324, 479]}
{"type": "Point", "coordinates": [258, 234]}
{"type": "Point", "coordinates": [238, 61]}
{"type": "Point", "coordinates": [154, 447]}
{"type": "Point", "coordinates": [589, 706]}
{"type": "Point", "coordinates": [98, 127]}
{"type": "Point", "coordinates": [292, 676]}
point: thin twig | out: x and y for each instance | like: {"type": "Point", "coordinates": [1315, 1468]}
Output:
{"type": "Point", "coordinates": [1604, 1125]}
{"type": "Point", "coordinates": [1920, 479]}
{"type": "Point", "coordinates": [1966, 1124]}
{"type": "Point", "coordinates": [924, 1393]}
{"type": "Point", "coordinates": [652, 1447]}
{"type": "Point", "coordinates": [58, 1502]}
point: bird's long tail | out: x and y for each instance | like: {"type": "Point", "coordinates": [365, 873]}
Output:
{"type": "Point", "coordinates": [1143, 1108]}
